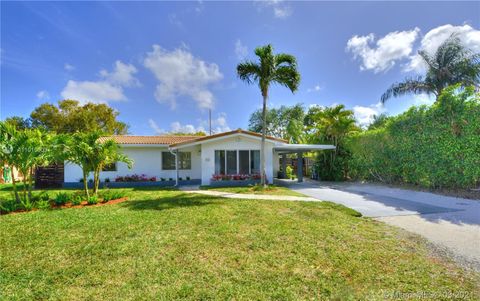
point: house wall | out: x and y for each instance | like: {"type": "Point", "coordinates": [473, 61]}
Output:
{"type": "Point", "coordinates": [147, 160]}
{"type": "Point", "coordinates": [233, 143]}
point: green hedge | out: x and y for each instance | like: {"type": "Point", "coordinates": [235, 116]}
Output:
{"type": "Point", "coordinates": [435, 147]}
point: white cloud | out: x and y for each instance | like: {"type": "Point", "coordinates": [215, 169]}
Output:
{"type": "Point", "coordinates": [241, 51]}
{"type": "Point", "coordinates": [155, 127]}
{"type": "Point", "coordinates": [280, 9]}
{"type": "Point", "coordinates": [181, 74]}
{"type": "Point", "coordinates": [219, 125]}
{"type": "Point", "coordinates": [121, 75]}
{"type": "Point", "coordinates": [43, 95]}
{"type": "Point", "coordinates": [387, 50]}
{"type": "Point", "coordinates": [68, 67]}
{"type": "Point", "coordinates": [423, 99]}
{"type": "Point", "coordinates": [364, 115]}
{"type": "Point", "coordinates": [435, 37]}
{"type": "Point", "coordinates": [109, 88]}
{"type": "Point", "coordinates": [316, 88]}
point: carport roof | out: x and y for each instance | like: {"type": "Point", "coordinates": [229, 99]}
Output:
{"type": "Point", "coordinates": [293, 148]}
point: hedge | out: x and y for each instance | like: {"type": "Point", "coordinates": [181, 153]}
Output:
{"type": "Point", "coordinates": [434, 147]}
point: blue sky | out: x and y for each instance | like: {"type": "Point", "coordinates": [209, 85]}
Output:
{"type": "Point", "coordinates": [162, 65]}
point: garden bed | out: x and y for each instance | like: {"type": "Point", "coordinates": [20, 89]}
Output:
{"type": "Point", "coordinates": [167, 183]}
{"type": "Point", "coordinates": [234, 183]}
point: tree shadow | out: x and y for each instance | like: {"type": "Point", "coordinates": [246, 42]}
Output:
{"type": "Point", "coordinates": [172, 202]}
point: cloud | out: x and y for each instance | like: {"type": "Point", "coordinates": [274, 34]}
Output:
{"type": "Point", "coordinates": [423, 99]}
{"type": "Point", "coordinates": [364, 115]}
{"type": "Point", "coordinates": [181, 74]}
{"type": "Point", "coordinates": [68, 67]}
{"type": "Point", "coordinates": [469, 36]}
{"type": "Point", "coordinates": [43, 95]}
{"type": "Point", "coordinates": [121, 75]}
{"type": "Point", "coordinates": [387, 50]}
{"type": "Point", "coordinates": [280, 9]}
{"type": "Point", "coordinates": [316, 88]}
{"type": "Point", "coordinates": [109, 88]}
{"type": "Point", "coordinates": [241, 51]}
{"type": "Point", "coordinates": [219, 125]}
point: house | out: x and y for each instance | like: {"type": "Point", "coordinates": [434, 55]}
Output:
{"type": "Point", "coordinates": [197, 158]}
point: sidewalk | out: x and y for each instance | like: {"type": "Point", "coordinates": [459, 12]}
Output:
{"type": "Point", "coordinates": [248, 196]}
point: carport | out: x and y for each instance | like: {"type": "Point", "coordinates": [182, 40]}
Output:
{"type": "Point", "coordinates": [299, 149]}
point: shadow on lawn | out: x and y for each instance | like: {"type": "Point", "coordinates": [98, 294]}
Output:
{"type": "Point", "coordinates": [172, 202]}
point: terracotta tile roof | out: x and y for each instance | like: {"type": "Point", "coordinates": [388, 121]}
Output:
{"type": "Point", "coordinates": [239, 131]}
{"type": "Point", "coordinates": [173, 140]}
{"type": "Point", "coordinates": [162, 140]}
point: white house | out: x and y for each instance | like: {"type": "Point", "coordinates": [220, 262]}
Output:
{"type": "Point", "coordinates": [197, 158]}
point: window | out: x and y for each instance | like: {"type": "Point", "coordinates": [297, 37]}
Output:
{"type": "Point", "coordinates": [220, 162]}
{"type": "Point", "coordinates": [255, 161]}
{"type": "Point", "coordinates": [184, 160]}
{"type": "Point", "coordinates": [243, 162]}
{"type": "Point", "coordinates": [110, 167]}
{"type": "Point", "coordinates": [231, 162]}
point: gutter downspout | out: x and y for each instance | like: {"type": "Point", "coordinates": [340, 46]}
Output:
{"type": "Point", "coordinates": [175, 153]}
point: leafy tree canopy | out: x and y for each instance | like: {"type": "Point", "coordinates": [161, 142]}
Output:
{"type": "Point", "coordinates": [70, 117]}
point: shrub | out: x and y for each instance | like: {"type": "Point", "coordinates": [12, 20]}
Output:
{"type": "Point", "coordinates": [434, 147]}
{"type": "Point", "coordinates": [170, 179]}
{"type": "Point", "coordinates": [162, 179]}
{"type": "Point", "coordinates": [62, 198]}
{"type": "Point", "coordinates": [26, 204]}
{"type": "Point", "coordinates": [8, 205]}
{"type": "Point", "coordinates": [135, 178]}
{"type": "Point", "coordinates": [180, 178]}
{"type": "Point", "coordinates": [42, 196]}
{"type": "Point", "coordinates": [43, 204]}
{"type": "Point", "coordinates": [188, 178]}
{"type": "Point", "coordinates": [107, 180]}
{"type": "Point", "coordinates": [92, 200]}
{"type": "Point", "coordinates": [289, 172]}
{"type": "Point", "coordinates": [77, 199]}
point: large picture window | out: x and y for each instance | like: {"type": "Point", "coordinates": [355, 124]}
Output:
{"type": "Point", "coordinates": [184, 160]}
{"type": "Point", "coordinates": [237, 162]}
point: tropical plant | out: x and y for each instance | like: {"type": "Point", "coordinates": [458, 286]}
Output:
{"type": "Point", "coordinates": [451, 64]}
{"type": "Point", "coordinates": [62, 198]}
{"type": "Point", "coordinates": [271, 69]}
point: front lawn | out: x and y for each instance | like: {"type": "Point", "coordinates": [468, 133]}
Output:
{"type": "Point", "coordinates": [256, 189]}
{"type": "Point", "coordinates": [164, 245]}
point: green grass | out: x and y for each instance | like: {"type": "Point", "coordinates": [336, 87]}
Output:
{"type": "Point", "coordinates": [166, 245]}
{"type": "Point", "coordinates": [257, 189]}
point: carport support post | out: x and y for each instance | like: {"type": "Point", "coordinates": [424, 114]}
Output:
{"type": "Point", "coordinates": [176, 167]}
{"type": "Point", "coordinates": [284, 166]}
{"type": "Point", "coordinates": [300, 166]}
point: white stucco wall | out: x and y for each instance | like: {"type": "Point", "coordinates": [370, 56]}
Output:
{"type": "Point", "coordinates": [233, 143]}
{"type": "Point", "coordinates": [147, 160]}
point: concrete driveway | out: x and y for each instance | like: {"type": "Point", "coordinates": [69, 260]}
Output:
{"type": "Point", "coordinates": [452, 224]}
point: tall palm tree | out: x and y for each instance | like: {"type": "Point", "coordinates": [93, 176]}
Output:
{"type": "Point", "coordinates": [452, 63]}
{"type": "Point", "coordinates": [271, 69]}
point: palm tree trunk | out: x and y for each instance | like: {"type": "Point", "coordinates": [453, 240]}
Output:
{"type": "Point", "coordinates": [85, 183]}
{"type": "Point", "coordinates": [14, 185]}
{"type": "Point", "coordinates": [96, 181]}
{"type": "Point", "coordinates": [30, 184]}
{"type": "Point", "coordinates": [262, 147]}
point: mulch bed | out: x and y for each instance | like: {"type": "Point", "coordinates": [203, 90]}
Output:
{"type": "Point", "coordinates": [69, 205]}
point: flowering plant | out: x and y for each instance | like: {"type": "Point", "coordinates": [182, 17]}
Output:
{"type": "Point", "coordinates": [235, 177]}
{"type": "Point", "coordinates": [135, 178]}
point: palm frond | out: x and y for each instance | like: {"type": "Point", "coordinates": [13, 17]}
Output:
{"type": "Point", "coordinates": [248, 71]}
{"type": "Point", "coordinates": [287, 76]}
{"type": "Point", "coordinates": [409, 85]}
{"type": "Point", "coordinates": [285, 59]}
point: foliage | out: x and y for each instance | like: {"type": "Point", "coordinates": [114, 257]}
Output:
{"type": "Point", "coordinates": [451, 64]}
{"type": "Point", "coordinates": [331, 125]}
{"type": "Point", "coordinates": [235, 177]}
{"type": "Point", "coordinates": [435, 146]}
{"type": "Point", "coordinates": [271, 69]}
{"type": "Point", "coordinates": [9, 205]}
{"type": "Point", "coordinates": [108, 195]}
{"type": "Point", "coordinates": [289, 172]}
{"type": "Point", "coordinates": [70, 117]}
{"type": "Point", "coordinates": [76, 199]}
{"type": "Point", "coordinates": [92, 200]}
{"type": "Point", "coordinates": [135, 178]}
{"type": "Point", "coordinates": [62, 198]}
{"type": "Point", "coordinates": [285, 122]}
{"type": "Point", "coordinates": [42, 204]}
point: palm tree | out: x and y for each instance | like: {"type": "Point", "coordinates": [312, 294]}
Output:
{"type": "Point", "coordinates": [271, 69]}
{"type": "Point", "coordinates": [452, 63]}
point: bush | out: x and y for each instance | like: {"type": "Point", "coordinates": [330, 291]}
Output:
{"type": "Point", "coordinates": [92, 200]}
{"type": "Point", "coordinates": [188, 178]}
{"type": "Point", "coordinates": [289, 172]}
{"type": "Point", "coordinates": [107, 180]}
{"type": "Point", "coordinates": [43, 204]}
{"type": "Point", "coordinates": [42, 196]}
{"type": "Point", "coordinates": [433, 147]}
{"type": "Point", "coordinates": [8, 205]}
{"type": "Point", "coordinates": [77, 199]}
{"type": "Point", "coordinates": [62, 198]}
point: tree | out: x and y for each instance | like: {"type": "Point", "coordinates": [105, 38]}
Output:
{"type": "Point", "coordinates": [330, 125]}
{"type": "Point", "coordinates": [452, 63]}
{"type": "Point", "coordinates": [279, 120]}
{"type": "Point", "coordinates": [70, 117]}
{"type": "Point", "coordinates": [91, 154]}
{"type": "Point", "coordinates": [19, 123]}
{"type": "Point", "coordinates": [379, 121]}
{"type": "Point", "coordinates": [271, 69]}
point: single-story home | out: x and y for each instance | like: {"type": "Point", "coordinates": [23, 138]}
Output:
{"type": "Point", "coordinates": [198, 159]}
